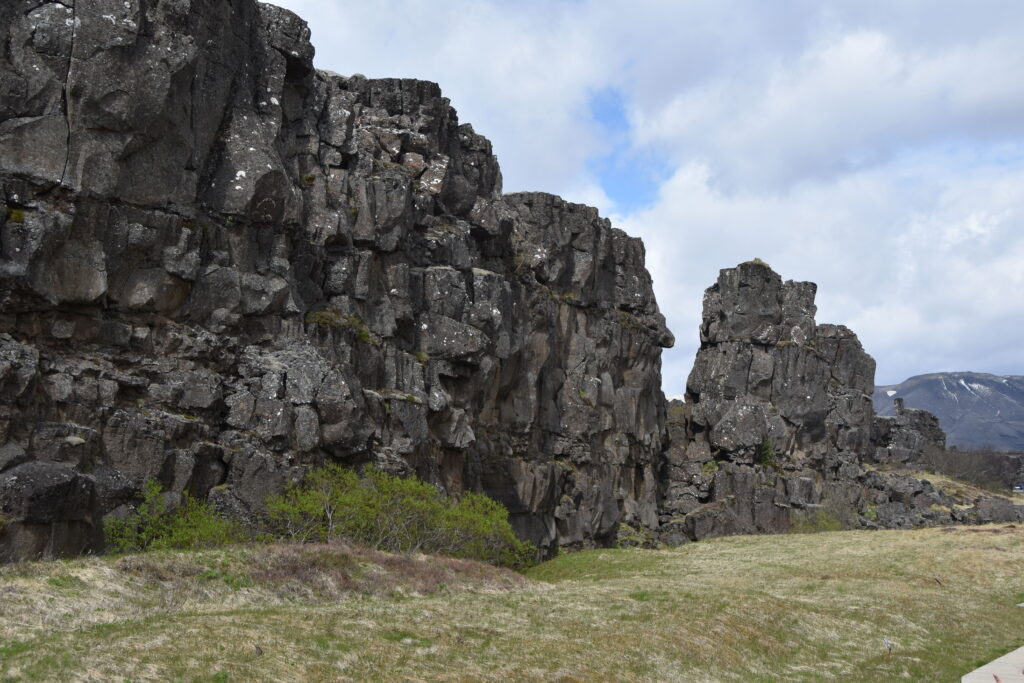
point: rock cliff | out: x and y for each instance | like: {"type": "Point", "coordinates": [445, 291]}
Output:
{"type": "Point", "coordinates": [220, 266]}
{"type": "Point", "coordinates": [778, 431]}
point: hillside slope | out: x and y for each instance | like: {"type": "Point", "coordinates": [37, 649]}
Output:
{"type": "Point", "coordinates": [974, 409]}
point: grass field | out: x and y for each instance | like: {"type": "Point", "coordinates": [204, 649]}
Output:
{"type": "Point", "coordinates": [767, 608]}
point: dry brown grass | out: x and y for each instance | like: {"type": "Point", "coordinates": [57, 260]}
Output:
{"type": "Point", "coordinates": [963, 490]}
{"type": "Point", "coordinates": [768, 608]}
{"type": "Point", "coordinates": [38, 598]}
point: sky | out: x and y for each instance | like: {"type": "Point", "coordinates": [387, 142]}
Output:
{"type": "Point", "coordinates": [875, 147]}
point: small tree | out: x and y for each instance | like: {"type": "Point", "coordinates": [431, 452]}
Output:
{"type": "Point", "coordinates": [766, 454]}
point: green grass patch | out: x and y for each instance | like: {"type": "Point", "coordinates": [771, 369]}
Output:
{"type": "Point", "coordinates": [406, 638]}
{"type": "Point", "coordinates": [66, 582]}
{"type": "Point", "coordinates": [814, 522]}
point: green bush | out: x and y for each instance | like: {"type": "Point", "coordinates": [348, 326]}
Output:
{"type": "Point", "coordinates": [766, 454]}
{"type": "Point", "coordinates": [194, 524]}
{"type": "Point", "coordinates": [396, 515]}
{"type": "Point", "coordinates": [816, 521]}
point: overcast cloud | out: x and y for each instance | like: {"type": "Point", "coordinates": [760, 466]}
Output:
{"type": "Point", "coordinates": [876, 148]}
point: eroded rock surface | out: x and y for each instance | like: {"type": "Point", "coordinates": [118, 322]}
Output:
{"type": "Point", "coordinates": [219, 266]}
{"type": "Point", "coordinates": [905, 437]}
{"type": "Point", "coordinates": [778, 412]}
{"type": "Point", "coordinates": [778, 431]}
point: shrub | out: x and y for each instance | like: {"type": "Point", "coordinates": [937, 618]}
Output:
{"type": "Point", "coordinates": [816, 521]}
{"type": "Point", "coordinates": [194, 524]}
{"type": "Point", "coordinates": [766, 454]}
{"type": "Point", "coordinates": [985, 468]}
{"type": "Point", "coordinates": [396, 515]}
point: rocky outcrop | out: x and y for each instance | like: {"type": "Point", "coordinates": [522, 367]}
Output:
{"type": "Point", "coordinates": [778, 412]}
{"type": "Point", "coordinates": [778, 432]}
{"type": "Point", "coordinates": [219, 266]}
{"type": "Point", "coordinates": [906, 436]}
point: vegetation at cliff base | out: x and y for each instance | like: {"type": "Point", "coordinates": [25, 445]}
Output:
{"type": "Point", "coordinates": [154, 525]}
{"type": "Point", "coordinates": [397, 515]}
{"type": "Point", "coordinates": [335, 503]}
{"type": "Point", "coordinates": [754, 608]}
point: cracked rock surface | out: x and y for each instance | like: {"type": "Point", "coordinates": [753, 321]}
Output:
{"type": "Point", "coordinates": [905, 437]}
{"type": "Point", "coordinates": [220, 267]}
{"type": "Point", "coordinates": [778, 432]}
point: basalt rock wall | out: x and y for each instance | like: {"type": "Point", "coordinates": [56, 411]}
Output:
{"type": "Point", "coordinates": [906, 437]}
{"type": "Point", "coordinates": [778, 412]}
{"type": "Point", "coordinates": [220, 266]}
{"type": "Point", "coordinates": [778, 431]}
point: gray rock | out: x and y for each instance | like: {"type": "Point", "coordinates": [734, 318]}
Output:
{"type": "Point", "coordinates": [11, 455]}
{"type": "Point", "coordinates": [47, 509]}
{"type": "Point", "coordinates": [782, 404]}
{"type": "Point", "coordinates": [225, 266]}
{"type": "Point", "coordinates": [907, 437]}
{"type": "Point", "coordinates": [778, 422]}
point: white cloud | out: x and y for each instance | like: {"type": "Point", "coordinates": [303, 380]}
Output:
{"type": "Point", "coordinates": [876, 148]}
{"type": "Point", "coordinates": [521, 73]}
{"type": "Point", "coordinates": [849, 101]}
{"type": "Point", "coordinates": [928, 278]}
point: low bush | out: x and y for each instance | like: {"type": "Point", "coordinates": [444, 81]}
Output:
{"type": "Point", "coordinates": [815, 521]}
{"type": "Point", "coordinates": [153, 526]}
{"type": "Point", "coordinates": [986, 468]}
{"type": "Point", "coordinates": [396, 515]}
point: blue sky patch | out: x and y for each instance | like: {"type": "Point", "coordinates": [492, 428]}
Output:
{"type": "Point", "coordinates": [629, 176]}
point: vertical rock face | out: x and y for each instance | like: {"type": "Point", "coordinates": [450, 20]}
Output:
{"type": "Point", "coordinates": [778, 430]}
{"type": "Point", "coordinates": [778, 412]}
{"type": "Point", "coordinates": [905, 437]}
{"type": "Point", "coordinates": [219, 266]}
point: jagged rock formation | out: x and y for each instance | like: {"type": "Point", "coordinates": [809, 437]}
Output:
{"type": "Point", "coordinates": [779, 410]}
{"type": "Point", "coordinates": [975, 410]}
{"type": "Point", "coordinates": [219, 266]}
{"type": "Point", "coordinates": [776, 430]}
{"type": "Point", "coordinates": [906, 436]}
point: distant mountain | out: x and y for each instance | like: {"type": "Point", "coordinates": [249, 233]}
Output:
{"type": "Point", "coordinates": [973, 408]}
